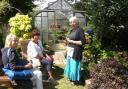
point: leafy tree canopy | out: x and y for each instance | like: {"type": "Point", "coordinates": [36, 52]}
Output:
{"type": "Point", "coordinates": [3, 7]}
{"type": "Point", "coordinates": [109, 17]}
{"type": "Point", "coordinates": [9, 8]}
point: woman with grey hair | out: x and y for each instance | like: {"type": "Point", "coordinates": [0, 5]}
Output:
{"type": "Point", "coordinates": [75, 42]}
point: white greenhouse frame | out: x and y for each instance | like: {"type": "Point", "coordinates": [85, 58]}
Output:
{"type": "Point", "coordinates": [55, 15]}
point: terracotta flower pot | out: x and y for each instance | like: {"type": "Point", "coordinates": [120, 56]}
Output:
{"type": "Point", "coordinates": [23, 45]}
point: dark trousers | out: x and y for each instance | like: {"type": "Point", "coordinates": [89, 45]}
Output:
{"type": "Point", "coordinates": [48, 64]}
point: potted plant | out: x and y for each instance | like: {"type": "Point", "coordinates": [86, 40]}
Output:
{"type": "Point", "coordinates": [21, 26]}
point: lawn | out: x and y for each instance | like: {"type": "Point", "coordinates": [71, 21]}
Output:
{"type": "Point", "coordinates": [63, 83]}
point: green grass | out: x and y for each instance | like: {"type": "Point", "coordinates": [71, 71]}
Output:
{"type": "Point", "coordinates": [62, 81]}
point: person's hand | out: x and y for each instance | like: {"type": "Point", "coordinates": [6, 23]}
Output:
{"type": "Point", "coordinates": [29, 65]}
{"type": "Point", "coordinates": [69, 41]}
{"type": "Point", "coordinates": [24, 55]}
{"type": "Point", "coordinates": [49, 57]}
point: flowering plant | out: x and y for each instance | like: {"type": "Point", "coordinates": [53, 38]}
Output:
{"type": "Point", "coordinates": [20, 25]}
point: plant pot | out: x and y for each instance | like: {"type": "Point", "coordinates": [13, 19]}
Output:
{"type": "Point", "coordinates": [23, 45]}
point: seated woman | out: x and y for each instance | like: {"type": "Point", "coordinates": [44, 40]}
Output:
{"type": "Point", "coordinates": [11, 60]}
{"type": "Point", "coordinates": [35, 53]}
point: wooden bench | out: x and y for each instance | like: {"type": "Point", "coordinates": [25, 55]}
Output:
{"type": "Point", "coordinates": [5, 81]}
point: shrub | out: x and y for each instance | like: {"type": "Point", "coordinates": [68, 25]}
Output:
{"type": "Point", "coordinates": [109, 74]}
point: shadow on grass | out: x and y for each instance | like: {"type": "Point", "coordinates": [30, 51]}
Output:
{"type": "Point", "coordinates": [58, 74]}
{"type": "Point", "coordinates": [84, 76]}
{"type": "Point", "coordinates": [3, 87]}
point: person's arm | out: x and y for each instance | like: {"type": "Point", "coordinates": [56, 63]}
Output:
{"type": "Point", "coordinates": [74, 42]}
{"type": "Point", "coordinates": [13, 61]}
{"type": "Point", "coordinates": [32, 52]}
{"type": "Point", "coordinates": [81, 37]}
{"type": "Point", "coordinates": [24, 55]}
{"type": "Point", "coordinates": [29, 65]}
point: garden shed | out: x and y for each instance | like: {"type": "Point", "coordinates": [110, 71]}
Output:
{"type": "Point", "coordinates": [52, 20]}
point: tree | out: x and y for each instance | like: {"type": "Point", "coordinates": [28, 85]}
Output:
{"type": "Point", "coordinates": [3, 7]}
{"type": "Point", "coordinates": [9, 8]}
{"type": "Point", "coordinates": [110, 19]}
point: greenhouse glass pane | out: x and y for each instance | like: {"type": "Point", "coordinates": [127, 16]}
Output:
{"type": "Point", "coordinates": [60, 4]}
{"type": "Point", "coordinates": [37, 22]}
{"type": "Point", "coordinates": [44, 14]}
{"type": "Point", "coordinates": [38, 14]}
{"type": "Point", "coordinates": [44, 23]}
{"type": "Point", "coordinates": [79, 15]}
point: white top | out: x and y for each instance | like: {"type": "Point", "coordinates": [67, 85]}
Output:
{"type": "Point", "coordinates": [34, 49]}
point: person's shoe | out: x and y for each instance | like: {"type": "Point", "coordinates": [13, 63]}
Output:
{"type": "Point", "coordinates": [75, 83]}
{"type": "Point", "coordinates": [14, 82]}
{"type": "Point", "coordinates": [72, 83]}
{"type": "Point", "coordinates": [52, 81]}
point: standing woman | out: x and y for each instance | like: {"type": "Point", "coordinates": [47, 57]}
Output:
{"type": "Point", "coordinates": [75, 42]}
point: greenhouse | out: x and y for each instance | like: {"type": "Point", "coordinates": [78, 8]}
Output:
{"type": "Point", "coordinates": [52, 20]}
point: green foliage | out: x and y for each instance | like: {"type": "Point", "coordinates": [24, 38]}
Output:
{"type": "Point", "coordinates": [23, 5]}
{"type": "Point", "coordinates": [4, 6]}
{"type": "Point", "coordinates": [122, 57]}
{"type": "Point", "coordinates": [109, 17]}
{"type": "Point", "coordinates": [59, 34]}
{"type": "Point", "coordinates": [9, 8]}
{"type": "Point", "coordinates": [20, 25]}
{"type": "Point", "coordinates": [94, 52]}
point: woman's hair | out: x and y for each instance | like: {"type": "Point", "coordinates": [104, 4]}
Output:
{"type": "Point", "coordinates": [74, 18]}
{"type": "Point", "coordinates": [35, 32]}
{"type": "Point", "coordinates": [9, 39]}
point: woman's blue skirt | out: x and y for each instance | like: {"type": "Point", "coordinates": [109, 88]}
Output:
{"type": "Point", "coordinates": [72, 69]}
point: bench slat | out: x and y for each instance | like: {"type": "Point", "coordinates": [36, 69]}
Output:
{"type": "Point", "coordinates": [5, 80]}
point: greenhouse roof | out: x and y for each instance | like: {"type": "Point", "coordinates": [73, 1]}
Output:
{"type": "Point", "coordinates": [56, 5]}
